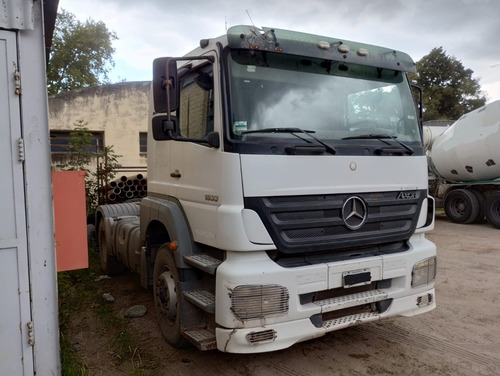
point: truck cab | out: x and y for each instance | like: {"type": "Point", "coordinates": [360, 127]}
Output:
{"type": "Point", "coordinates": [287, 191]}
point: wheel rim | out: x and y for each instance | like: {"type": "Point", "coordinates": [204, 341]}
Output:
{"type": "Point", "coordinates": [166, 295]}
{"type": "Point", "coordinates": [459, 206]}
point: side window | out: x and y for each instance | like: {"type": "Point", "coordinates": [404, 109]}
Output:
{"type": "Point", "coordinates": [196, 108]}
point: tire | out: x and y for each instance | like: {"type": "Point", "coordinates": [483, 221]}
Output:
{"type": "Point", "coordinates": [167, 305]}
{"type": "Point", "coordinates": [492, 209]}
{"type": "Point", "coordinates": [109, 264]}
{"type": "Point", "coordinates": [481, 199]}
{"type": "Point", "coordinates": [461, 206]}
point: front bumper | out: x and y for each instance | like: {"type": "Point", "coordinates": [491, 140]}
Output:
{"type": "Point", "coordinates": [284, 334]}
{"type": "Point", "coordinates": [308, 315]}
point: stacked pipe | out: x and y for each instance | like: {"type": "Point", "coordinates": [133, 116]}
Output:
{"type": "Point", "coordinates": [126, 188]}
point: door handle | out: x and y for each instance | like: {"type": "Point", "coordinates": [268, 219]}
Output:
{"type": "Point", "coordinates": [175, 174]}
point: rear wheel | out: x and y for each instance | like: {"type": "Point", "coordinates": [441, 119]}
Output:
{"type": "Point", "coordinates": [461, 206]}
{"type": "Point", "coordinates": [492, 209]}
{"type": "Point", "coordinates": [109, 264]}
{"type": "Point", "coordinates": [165, 289]}
{"type": "Point", "coordinates": [481, 199]}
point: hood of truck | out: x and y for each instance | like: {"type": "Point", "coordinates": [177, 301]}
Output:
{"type": "Point", "coordinates": [278, 175]}
{"type": "Point", "coordinates": [326, 203]}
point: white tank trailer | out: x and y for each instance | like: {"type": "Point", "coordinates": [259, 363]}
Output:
{"type": "Point", "coordinates": [464, 165]}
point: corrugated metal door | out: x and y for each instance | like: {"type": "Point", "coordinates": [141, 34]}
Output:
{"type": "Point", "coordinates": [16, 351]}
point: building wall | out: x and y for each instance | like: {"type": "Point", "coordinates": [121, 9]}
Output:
{"type": "Point", "coordinates": [119, 110]}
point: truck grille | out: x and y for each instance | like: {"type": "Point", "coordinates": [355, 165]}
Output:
{"type": "Point", "coordinates": [299, 224]}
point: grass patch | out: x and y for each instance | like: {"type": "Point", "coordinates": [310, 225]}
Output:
{"type": "Point", "coordinates": [71, 361]}
{"type": "Point", "coordinates": [77, 292]}
{"type": "Point", "coordinates": [72, 298]}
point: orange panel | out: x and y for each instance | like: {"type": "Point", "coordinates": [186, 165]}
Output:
{"type": "Point", "coordinates": [70, 220]}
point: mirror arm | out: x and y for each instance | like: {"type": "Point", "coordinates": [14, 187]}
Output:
{"type": "Point", "coordinates": [212, 138]}
{"type": "Point", "coordinates": [420, 100]}
{"type": "Point", "coordinates": [420, 109]}
{"type": "Point", "coordinates": [168, 82]}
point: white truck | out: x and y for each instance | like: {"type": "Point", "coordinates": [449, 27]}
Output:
{"type": "Point", "coordinates": [287, 193]}
{"type": "Point", "coordinates": [464, 161]}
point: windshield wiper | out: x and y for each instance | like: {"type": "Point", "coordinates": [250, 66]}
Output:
{"type": "Point", "coordinates": [278, 130]}
{"type": "Point", "coordinates": [293, 131]}
{"type": "Point", "coordinates": [381, 137]}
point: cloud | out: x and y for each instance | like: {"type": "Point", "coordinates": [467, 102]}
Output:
{"type": "Point", "coordinates": [467, 29]}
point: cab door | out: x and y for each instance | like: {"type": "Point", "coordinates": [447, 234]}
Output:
{"type": "Point", "coordinates": [16, 338]}
{"type": "Point", "coordinates": [195, 168]}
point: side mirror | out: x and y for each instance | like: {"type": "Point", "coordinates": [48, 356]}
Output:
{"type": "Point", "coordinates": [168, 129]}
{"type": "Point", "coordinates": [163, 82]}
{"type": "Point", "coordinates": [164, 128]}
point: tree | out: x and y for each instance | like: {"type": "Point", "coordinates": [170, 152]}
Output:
{"type": "Point", "coordinates": [81, 54]}
{"type": "Point", "coordinates": [81, 155]}
{"type": "Point", "coordinates": [449, 88]}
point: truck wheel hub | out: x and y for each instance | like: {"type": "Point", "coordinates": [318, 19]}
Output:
{"type": "Point", "coordinates": [167, 295]}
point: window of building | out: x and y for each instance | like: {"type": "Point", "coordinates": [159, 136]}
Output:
{"type": "Point", "coordinates": [143, 143]}
{"type": "Point", "coordinates": [60, 142]}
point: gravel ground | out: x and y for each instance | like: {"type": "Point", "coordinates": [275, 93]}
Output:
{"type": "Point", "coordinates": [460, 337]}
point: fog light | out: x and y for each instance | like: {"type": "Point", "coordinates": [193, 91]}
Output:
{"type": "Point", "coordinates": [424, 300]}
{"type": "Point", "coordinates": [257, 301]}
{"type": "Point", "coordinates": [424, 272]}
{"type": "Point", "coordinates": [260, 337]}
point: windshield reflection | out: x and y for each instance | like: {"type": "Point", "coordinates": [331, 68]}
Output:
{"type": "Point", "coordinates": [332, 99]}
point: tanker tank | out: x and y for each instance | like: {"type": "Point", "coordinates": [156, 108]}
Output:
{"type": "Point", "coordinates": [469, 150]}
{"type": "Point", "coordinates": [464, 161]}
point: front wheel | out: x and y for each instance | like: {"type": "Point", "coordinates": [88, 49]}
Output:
{"type": "Point", "coordinates": [165, 289]}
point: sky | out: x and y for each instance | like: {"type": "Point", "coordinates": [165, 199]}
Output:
{"type": "Point", "coordinates": [468, 30]}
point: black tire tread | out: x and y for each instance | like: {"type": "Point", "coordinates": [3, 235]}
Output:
{"type": "Point", "coordinates": [470, 201]}
{"type": "Point", "coordinates": [171, 331]}
{"type": "Point", "coordinates": [481, 199]}
{"type": "Point", "coordinates": [109, 264]}
{"type": "Point", "coordinates": [492, 209]}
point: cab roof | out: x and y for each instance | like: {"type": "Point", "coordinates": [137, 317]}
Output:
{"type": "Point", "coordinates": [303, 44]}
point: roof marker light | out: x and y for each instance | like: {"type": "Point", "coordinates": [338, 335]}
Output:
{"type": "Point", "coordinates": [363, 52]}
{"type": "Point", "coordinates": [344, 48]}
{"type": "Point", "coordinates": [323, 45]}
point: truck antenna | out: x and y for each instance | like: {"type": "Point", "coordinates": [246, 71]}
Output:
{"type": "Point", "coordinates": [248, 13]}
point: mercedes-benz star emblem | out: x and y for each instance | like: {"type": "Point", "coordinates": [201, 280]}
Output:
{"type": "Point", "coordinates": [354, 213]}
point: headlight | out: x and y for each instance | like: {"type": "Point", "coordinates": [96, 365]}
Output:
{"type": "Point", "coordinates": [424, 272]}
{"type": "Point", "coordinates": [258, 301]}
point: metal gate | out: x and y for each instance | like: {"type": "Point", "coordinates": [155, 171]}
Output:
{"type": "Point", "coordinates": [16, 334]}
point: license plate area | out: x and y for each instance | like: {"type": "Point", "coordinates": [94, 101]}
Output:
{"type": "Point", "coordinates": [357, 278]}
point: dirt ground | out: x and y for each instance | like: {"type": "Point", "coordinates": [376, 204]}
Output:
{"type": "Point", "coordinates": [460, 337]}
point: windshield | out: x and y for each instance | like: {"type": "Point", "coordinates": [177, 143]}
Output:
{"type": "Point", "coordinates": [278, 101]}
